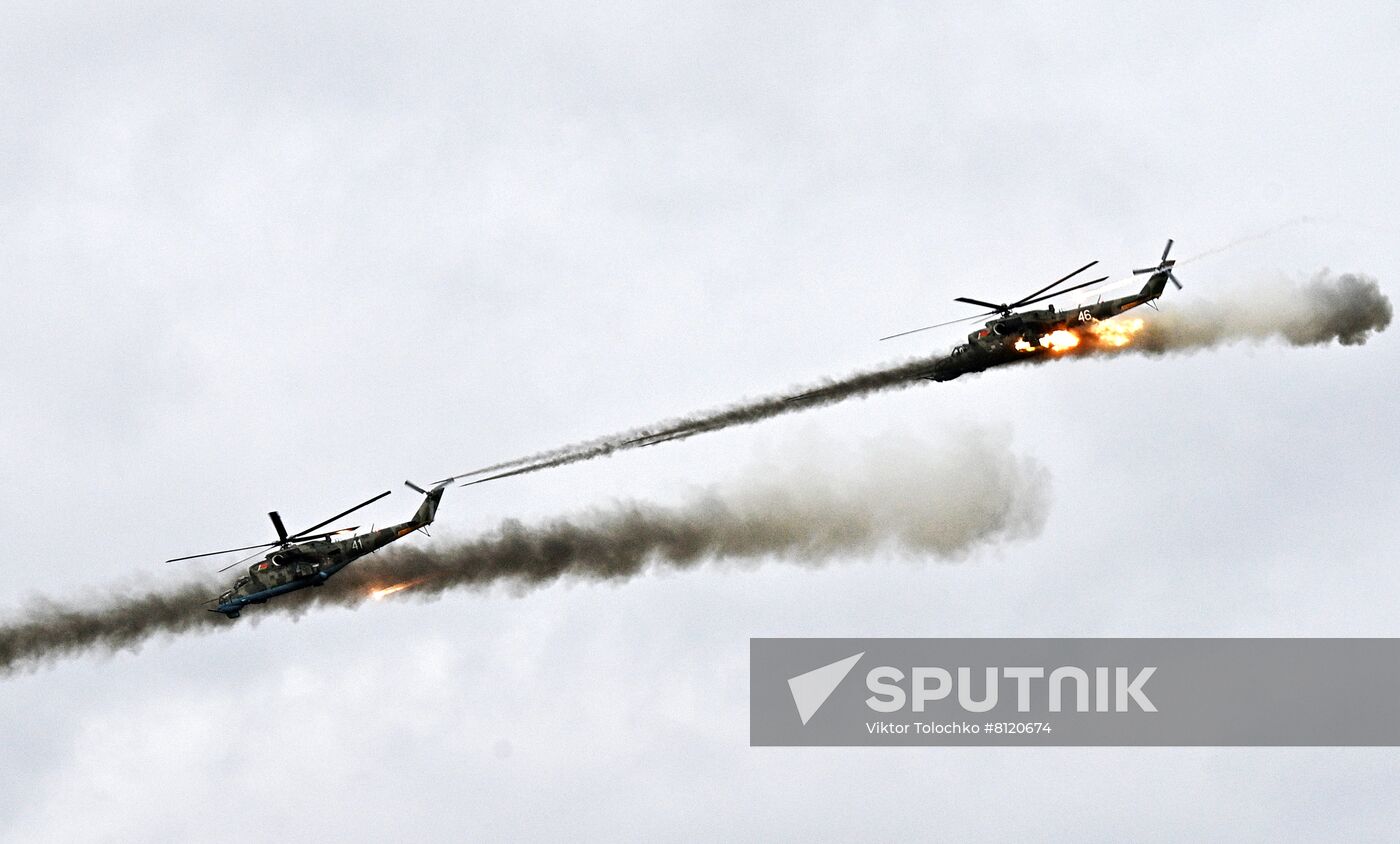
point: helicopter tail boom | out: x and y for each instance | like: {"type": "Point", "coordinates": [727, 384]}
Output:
{"type": "Point", "coordinates": [427, 511]}
{"type": "Point", "coordinates": [1154, 287]}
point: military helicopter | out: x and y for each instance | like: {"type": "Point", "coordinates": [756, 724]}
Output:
{"type": "Point", "coordinates": [309, 559]}
{"type": "Point", "coordinates": [1012, 335]}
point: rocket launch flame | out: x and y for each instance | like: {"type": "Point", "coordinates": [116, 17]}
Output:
{"type": "Point", "coordinates": [384, 591]}
{"type": "Point", "coordinates": [1116, 332]}
{"type": "Point", "coordinates": [1060, 341]}
{"type": "Point", "coordinates": [1113, 333]}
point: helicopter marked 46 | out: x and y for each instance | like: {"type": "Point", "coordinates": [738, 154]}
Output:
{"type": "Point", "coordinates": [1013, 336]}
{"type": "Point", "coordinates": [310, 559]}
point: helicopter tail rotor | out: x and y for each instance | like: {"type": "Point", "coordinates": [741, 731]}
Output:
{"type": "Point", "coordinates": [1164, 266]}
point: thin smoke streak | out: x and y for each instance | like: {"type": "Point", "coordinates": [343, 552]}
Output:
{"type": "Point", "coordinates": [1249, 238]}
{"type": "Point", "coordinates": [1345, 309]}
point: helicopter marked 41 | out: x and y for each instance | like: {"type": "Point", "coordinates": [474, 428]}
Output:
{"type": "Point", "coordinates": [1014, 335]}
{"type": "Point", "coordinates": [310, 559]}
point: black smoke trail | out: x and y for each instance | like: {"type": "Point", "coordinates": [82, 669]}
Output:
{"type": "Point", "coordinates": [1346, 309]}
{"type": "Point", "coordinates": [939, 503]}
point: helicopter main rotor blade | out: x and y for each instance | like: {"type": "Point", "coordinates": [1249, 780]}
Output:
{"type": "Point", "coordinates": [275, 544]}
{"type": "Point", "coordinates": [939, 325]}
{"type": "Point", "coordinates": [1061, 292]}
{"type": "Point", "coordinates": [327, 534]}
{"type": "Point", "coordinates": [1026, 299]}
{"type": "Point", "coordinates": [241, 561]}
{"type": "Point", "coordinates": [993, 305]}
{"type": "Point", "coordinates": [216, 553]}
{"type": "Point", "coordinates": [297, 536]}
{"type": "Point", "coordinates": [277, 523]}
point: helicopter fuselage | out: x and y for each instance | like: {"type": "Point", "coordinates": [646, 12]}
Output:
{"type": "Point", "coordinates": [313, 563]}
{"type": "Point", "coordinates": [996, 344]}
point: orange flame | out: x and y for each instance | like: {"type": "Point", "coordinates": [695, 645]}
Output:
{"type": "Point", "coordinates": [1117, 332]}
{"type": "Point", "coordinates": [376, 594]}
{"type": "Point", "coordinates": [1114, 333]}
{"type": "Point", "coordinates": [1059, 341]}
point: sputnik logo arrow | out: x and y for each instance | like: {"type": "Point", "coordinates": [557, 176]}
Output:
{"type": "Point", "coordinates": [810, 690]}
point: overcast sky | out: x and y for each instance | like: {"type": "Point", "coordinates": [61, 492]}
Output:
{"type": "Point", "coordinates": [286, 255]}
